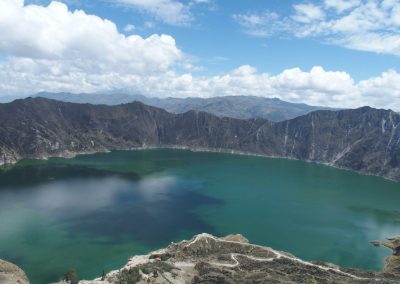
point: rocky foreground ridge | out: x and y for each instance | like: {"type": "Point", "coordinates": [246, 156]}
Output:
{"type": "Point", "coordinates": [231, 259]}
{"type": "Point", "coordinates": [207, 259]}
{"type": "Point", "coordinates": [12, 274]}
{"type": "Point", "coordinates": [364, 140]}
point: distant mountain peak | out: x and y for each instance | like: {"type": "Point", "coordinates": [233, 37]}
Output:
{"type": "Point", "coordinates": [242, 107]}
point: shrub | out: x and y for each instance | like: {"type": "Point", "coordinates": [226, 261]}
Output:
{"type": "Point", "coordinates": [131, 276]}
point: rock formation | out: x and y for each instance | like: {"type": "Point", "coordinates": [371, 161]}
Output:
{"type": "Point", "coordinates": [364, 140]}
{"type": "Point", "coordinates": [11, 274]}
{"type": "Point", "coordinates": [392, 262]}
{"type": "Point", "coordinates": [231, 259]}
{"type": "Point", "coordinates": [207, 259]}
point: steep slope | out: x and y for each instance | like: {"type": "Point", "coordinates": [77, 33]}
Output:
{"type": "Point", "coordinates": [243, 107]}
{"type": "Point", "coordinates": [365, 140]}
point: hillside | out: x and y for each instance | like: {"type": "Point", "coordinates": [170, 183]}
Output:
{"type": "Point", "coordinates": [364, 140]}
{"type": "Point", "coordinates": [232, 259]}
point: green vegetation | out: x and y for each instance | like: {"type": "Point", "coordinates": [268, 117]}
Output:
{"type": "Point", "coordinates": [130, 276]}
{"type": "Point", "coordinates": [156, 266]}
{"type": "Point", "coordinates": [312, 281]}
{"type": "Point", "coordinates": [133, 276]}
{"type": "Point", "coordinates": [71, 276]}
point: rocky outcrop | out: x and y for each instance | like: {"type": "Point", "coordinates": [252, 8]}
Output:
{"type": "Point", "coordinates": [207, 259]}
{"type": "Point", "coordinates": [364, 140]}
{"type": "Point", "coordinates": [12, 274]}
{"type": "Point", "coordinates": [392, 264]}
{"type": "Point", "coordinates": [231, 259]}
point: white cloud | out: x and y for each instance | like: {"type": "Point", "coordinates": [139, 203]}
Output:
{"type": "Point", "coordinates": [58, 40]}
{"type": "Point", "coordinates": [172, 12]}
{"type": "Point", "coordinates": [316, 86]}
{"type": "Point", "coordinates": [367, 25]}
{"type": "Point", "coordinates": [129, 28]}
{"type": "Point", "coordinates": [149, 24]}
{"type": "Point", "coordinates": [362, 25]}
{"type": "Point", "coordinates": [341, 5]}
{"type": "Point", "coordinates": [259, 24]}
{"type": "Point", "coordinates": [200, 1]}
{"type": "Point", "coordinates": [383, 90]}
{"type": "Point", "coordinates": [307, 13]}
{"type": "Point", "coordinates": [53, 49]}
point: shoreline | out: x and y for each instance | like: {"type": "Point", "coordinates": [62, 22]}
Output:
{"type": "Point", "coordinates": [182, 257]}
{"type": "Point", "coordinates": [71, 155]}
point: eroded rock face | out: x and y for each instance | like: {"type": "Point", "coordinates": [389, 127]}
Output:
{"type": "Point", "coordinates": [207, 259]}
{"type": "Point", "coordinates": [12, 274]}
{"type": "Point", "coordinates": [364, 140]}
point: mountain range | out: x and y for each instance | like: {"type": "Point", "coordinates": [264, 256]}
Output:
{"type": "Point", "coordinates": [364, 140]}
{"type": "Point", "coordinates": [242, 107]}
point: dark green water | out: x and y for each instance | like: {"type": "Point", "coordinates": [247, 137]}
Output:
{"type": "Point", "coordinates": [93, 212]}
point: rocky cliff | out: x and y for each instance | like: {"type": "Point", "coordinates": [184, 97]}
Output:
{"type": "Point", "coordinates": [365, 140]}
{"type": "Point", "coordinates": [207, 259]}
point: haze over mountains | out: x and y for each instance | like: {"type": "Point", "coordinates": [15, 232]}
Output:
{"type": "Point", "coordinates": [242, 107]}
{"type": "Point", "coordinates": [364, 140]}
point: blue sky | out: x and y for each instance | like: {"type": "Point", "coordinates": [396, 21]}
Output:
{"type": "Point", "coordinates": [216, 41]}
{"type": "Point", "coordinates": [330, 52]}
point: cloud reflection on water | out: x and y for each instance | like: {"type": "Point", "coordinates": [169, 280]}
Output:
{"type": "Point", "coordinates": [152, 210]}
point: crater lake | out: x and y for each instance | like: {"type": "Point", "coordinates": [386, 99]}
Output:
{"type": "Point", "coordinates": [93, 212]}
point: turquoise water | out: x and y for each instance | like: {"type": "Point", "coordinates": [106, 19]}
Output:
{"type": "Point", "coordinates": [94, 211]}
